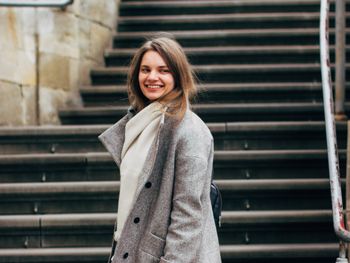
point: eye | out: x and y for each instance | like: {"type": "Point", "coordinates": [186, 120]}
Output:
{"type": "Point", "coordinates": [165, 70]}
{"type": "Point", "coordinates": [144, 70]}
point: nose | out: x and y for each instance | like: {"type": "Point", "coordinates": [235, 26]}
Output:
{"type": "Point", "coordinates": [153, 75]}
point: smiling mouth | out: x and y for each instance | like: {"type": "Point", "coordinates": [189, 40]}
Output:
{"type": "Point", "coordinates": [154, 86]}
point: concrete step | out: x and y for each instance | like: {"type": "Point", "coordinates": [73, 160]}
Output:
{"type": "Point", "coordinates": [276, 136]}
{"type": "Point", "coordinates": [230, 37]}
{"type": "Point", "coordinates": [57, 167]}
{"type": "Point", "coordinates": [230, 73]}
{"type": "Point", "coordinates": [222, 21]}
{"type": "Point", "coordinates": [227, 136]}
{"type": "Point", "coordinates": [51, 255]}
{"type": "Point", "coordinates": [274, 164]}
{"type": "Point", "coordinates": [269, 253]}
{"type": "Point", "coordinates": [276, 194]}
{"type": "Point", "coordinates": [56, 230]}
{"type": "Point", "coordinates": [240, 164]}
{"type": "Point", "coordinates": [59, 197]}
{"type": "Point", "coordinates": [101, 197]}
{"type": "Point", "coordinates": [238, 54]}
{"type": "Point", "coordinates": [51, 139]}
{"type": "Point", "coordinates": [278, 227]}
{"type": "Point", "coordinates": [228, 112]}
{"type": "Point", "coordinates": [151, 8]}
{"type": "Point", "coordinates": [87, 230]}
{"type": "Point", "coordinates": [114, 95]}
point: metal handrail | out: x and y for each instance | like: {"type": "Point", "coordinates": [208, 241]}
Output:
{"type": "Point", "coordinates": [36, 3]}
{"type": "Point", "coordinates": [333, 161]}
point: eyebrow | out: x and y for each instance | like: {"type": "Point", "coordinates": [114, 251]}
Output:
{"type": "Point", "coordinates": [146, 66]}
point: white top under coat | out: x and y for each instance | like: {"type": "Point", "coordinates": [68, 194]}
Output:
{"type": "Point", "coordinates": [140, 133]}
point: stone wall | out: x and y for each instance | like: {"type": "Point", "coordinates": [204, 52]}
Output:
{"type": "Point", "coordinates": [54, 48]}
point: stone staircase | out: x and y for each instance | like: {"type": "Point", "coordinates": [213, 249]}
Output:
{"type": "Point", "coordinates": [258, 66]}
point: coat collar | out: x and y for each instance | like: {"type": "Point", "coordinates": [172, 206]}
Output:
{"type": "Point", "coordinates": [113, 138]}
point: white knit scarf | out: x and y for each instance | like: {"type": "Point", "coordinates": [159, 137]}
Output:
{"type": "Point", "coordinates": [140, 133]}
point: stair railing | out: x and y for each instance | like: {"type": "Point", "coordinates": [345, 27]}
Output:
{"type": "Point", "coordinates": [333, 161]}
{"type": "Point", "coordinates": [36, 3]}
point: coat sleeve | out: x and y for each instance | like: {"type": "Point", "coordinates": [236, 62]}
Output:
{"type": "Point", "coordinates": [191, 187]}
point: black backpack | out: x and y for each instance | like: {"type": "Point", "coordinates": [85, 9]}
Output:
{"type": "Point", "coordinates": [216, 203]}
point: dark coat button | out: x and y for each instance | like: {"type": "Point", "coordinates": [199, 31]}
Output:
{"type": "Point", "coordinates": [136, 220]}
{"type": "Point", "coordinates": [148, 185]}
{"type": "Point", "coordinates": [125, 255]}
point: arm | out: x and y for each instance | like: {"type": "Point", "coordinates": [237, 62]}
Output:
{"type": "Point", "coordinates": [184, 232]}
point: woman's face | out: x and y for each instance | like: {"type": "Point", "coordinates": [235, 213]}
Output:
{"type": "Point", "coordinates": [155, 79]}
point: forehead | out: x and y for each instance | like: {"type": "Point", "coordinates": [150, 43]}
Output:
{"type": "Point", "coordinates": [153, 58]}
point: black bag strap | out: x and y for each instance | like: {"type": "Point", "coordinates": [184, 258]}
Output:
{"type": "Point", "coordinates": [216, 202]}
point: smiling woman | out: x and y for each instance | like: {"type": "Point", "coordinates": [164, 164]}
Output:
{"type": "Point", "coordinates": [161, 61]}
{"type": "Point", "coordinates": [165, 156]}
{"type": "Point", "coordinates": [155, 78]}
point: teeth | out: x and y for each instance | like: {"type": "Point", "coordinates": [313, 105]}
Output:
{"type": "Point", "coordinates": [154, 86]}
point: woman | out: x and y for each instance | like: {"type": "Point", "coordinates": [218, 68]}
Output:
{"type": "Point", "coordinates": [165, 155]}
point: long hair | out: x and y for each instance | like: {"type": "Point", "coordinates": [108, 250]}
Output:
{"type": "Point", "coordinates": [173, 55]}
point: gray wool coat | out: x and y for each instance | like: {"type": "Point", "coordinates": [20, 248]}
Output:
{"type": "Point", "coordinates": [172, 219]}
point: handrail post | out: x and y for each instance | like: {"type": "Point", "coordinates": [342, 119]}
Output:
{"type": "Point", "coordinates": [340, 58]}
{"type": "Point", "coordinates": [342, 253]}
{"type": "Point", "coordinates": [332, 149]}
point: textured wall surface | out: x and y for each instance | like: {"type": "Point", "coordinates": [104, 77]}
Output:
{"type": "Point", "coordinates": [68, 44]}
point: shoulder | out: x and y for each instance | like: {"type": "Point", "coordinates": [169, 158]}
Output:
{"type": "Point", "coordinates": [119, 126]}
{"type": "Point", "coordinates": [193, 125]}
{"type": "Point", "coordinates": [193, 135]}
{"type": "Point", "coordinates": [116, 128]}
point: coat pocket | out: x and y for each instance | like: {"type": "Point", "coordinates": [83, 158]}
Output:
{"type": "Point", "coordinates": [152, 245]}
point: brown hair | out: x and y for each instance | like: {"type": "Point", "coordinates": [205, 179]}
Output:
{"type": "Point", "coordinates": [172, 53]}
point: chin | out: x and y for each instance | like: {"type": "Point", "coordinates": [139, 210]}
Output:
{"type": "Point", "coordinates": [153, 98]}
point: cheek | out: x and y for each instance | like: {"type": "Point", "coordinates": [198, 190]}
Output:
{"type": "Point", "coordinates": [141, 79]}
{"type": "Point", "coordinates": [171, 82]}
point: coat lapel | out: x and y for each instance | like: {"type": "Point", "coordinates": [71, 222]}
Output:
{"type": "Point", "coordinates": [113, 138]}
